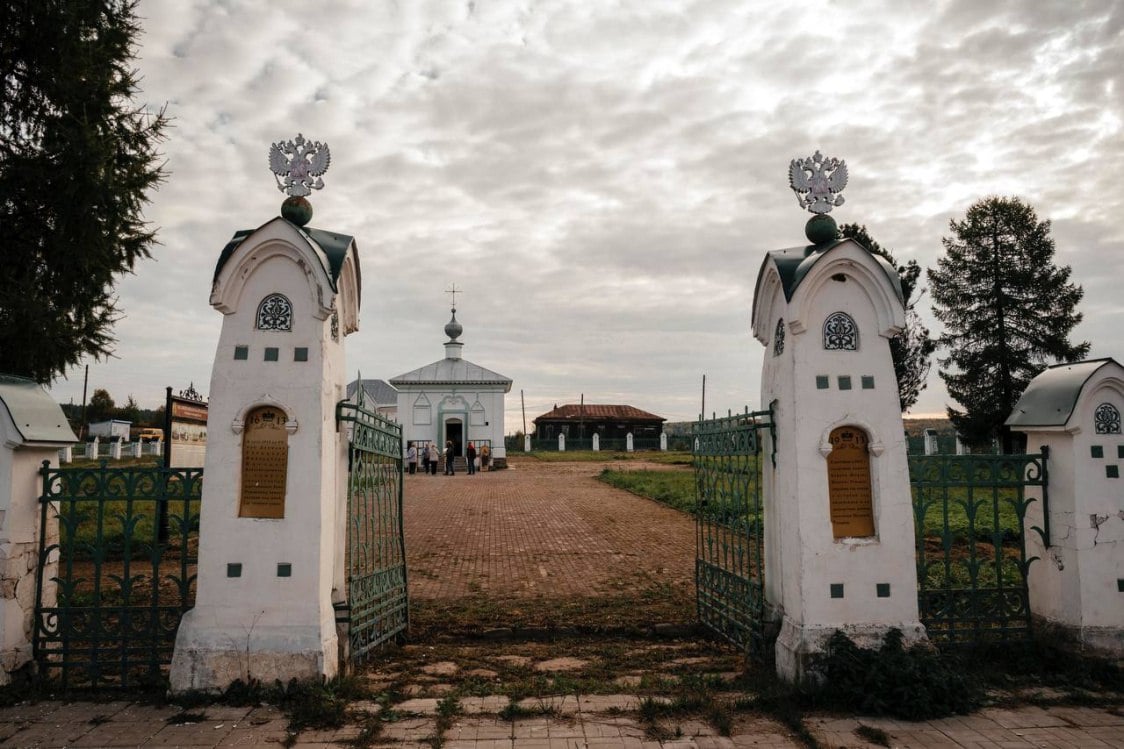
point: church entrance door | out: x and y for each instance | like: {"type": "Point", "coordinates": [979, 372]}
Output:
{"type": "Point", "coordinates": [454, 430]}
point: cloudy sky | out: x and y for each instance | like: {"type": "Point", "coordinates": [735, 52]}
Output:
{"type": "Point", "coordinates": [602, 178]}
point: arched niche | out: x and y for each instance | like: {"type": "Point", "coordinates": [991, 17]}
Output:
{"type": "Point", "coordinates": [849, 489]}
{"type": "Point", "coordinates": [265, 463]}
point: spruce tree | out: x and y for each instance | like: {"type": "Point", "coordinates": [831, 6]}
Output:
{"type": "Point", "coordinates": [912, 349]}
{"type": "Point", "coordinates": [1008, 310]}
{"type": "Point", "coordinates": [77, 161]}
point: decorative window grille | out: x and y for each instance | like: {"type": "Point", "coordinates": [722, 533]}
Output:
{"type": "Point", "coordinates": [275, 313]}
{"type": "Point", "coordinates": [1107, 419]}
{"type": "Point", "coordinates": [335, 326]}
{"type": "Point", "coordinates": [840, 333]}
{"type": "Point", "coordinates": [778, 338]}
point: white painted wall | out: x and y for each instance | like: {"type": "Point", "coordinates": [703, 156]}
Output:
{"type": "Point", "coordinates": [1076, 581]}
{"type": "Point", "coordinates": [803, 559]}
{"type": "Point", "coordinates": [260, 625]}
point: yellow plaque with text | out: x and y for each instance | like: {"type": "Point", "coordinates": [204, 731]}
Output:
{"type": "Point", "coordinates": [265, 462]}
{"type": "Point", "coordinates": [848, 484]}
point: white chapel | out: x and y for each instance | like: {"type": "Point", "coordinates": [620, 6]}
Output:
{"type": "Point", "coordinates": [453, 399]}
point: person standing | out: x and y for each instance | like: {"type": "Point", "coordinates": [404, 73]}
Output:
{"type": "Point", "coordinates": [412, 458]}
{"type": "Point", "coordinates": [449, 459]}
{"type": "Point", "coordinates": [485, 456]}
{"type": "Point", "coordinates": [432, 453]}
{"type": "Point", "coordinates": [470, 455]}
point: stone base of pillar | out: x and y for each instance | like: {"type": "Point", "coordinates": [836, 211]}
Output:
{"type": "Point", "coordinates": [798, 645]}
{"type": "Point", "coordinates": [498, 464]}
{"type": "Point", "coordinates": [210, 659]}
{"type": "Point", "coordinates": [1104, 642]}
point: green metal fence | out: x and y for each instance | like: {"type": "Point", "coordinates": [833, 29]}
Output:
{"type": "Point", "coordinates": [377, 609]}
{"type": "Point", "coordinates": [970, 515]}
{"type": "Point", "coordinates": [111, 587]}
{"type": "Point", "coordinates": [729, 566]}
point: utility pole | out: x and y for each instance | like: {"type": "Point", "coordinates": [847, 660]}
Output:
{"type": "Point", "coordinates": [523, 405]}
{"type": "Point", "coordinates": [702, 414]}
{"type": "Point", "coordinates": [85, 381]}
{"type": "Point", "coordinates": [581, 419]}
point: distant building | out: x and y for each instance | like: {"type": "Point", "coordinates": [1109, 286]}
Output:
{"type": "Point", "coordinates": [378, 395]}
{"type": "Point", "coordinates": [110, 429]}
{"type": "Point", "coordinates": [453, 400]}
{"type": "Point", "coordinates": [578, 421]}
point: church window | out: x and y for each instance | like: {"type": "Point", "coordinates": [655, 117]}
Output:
{"type": "Point", "coordinates": [778, 339]}
{"type": "Point", "coordinates": [1107, 419]}
{"type": "Point", "coordinates": [423, 412]}
{"type": "Point", "coordinates": [840, 333]}
{"type": "Point", "coordinates": [275, 313]}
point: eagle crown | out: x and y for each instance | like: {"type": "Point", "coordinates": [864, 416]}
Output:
{"type": "Point", "coordinates": [817, 182]}
{"type": "Point", "coordinates": [295, 162]}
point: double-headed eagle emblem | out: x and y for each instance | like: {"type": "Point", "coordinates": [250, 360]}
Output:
{"type": "Point", "coordinates": [817, 182]}
{"type": "Point", "coordinates": [298, 162]}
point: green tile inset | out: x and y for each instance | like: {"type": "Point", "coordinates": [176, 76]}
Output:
{"type": "Point", "coordinates": [300, 353]}
{"type": "Point", "coordinates": [271, 353]}
{"type": "Point", "coordinates": [822, 382]}
{"type": "Point", "coordinates": [234, 569]}
{"type": "Point", "coordinates": [1096, 451]}
{"type": "Point", "coordinates": [844, 382]}
{"type": "Point", "coordinates": [284, 569]}
{"type": "Point", "coordinates": [836, 590]}
{"type": "Point", "coordinates": [241, 353]}
{"type": "Point", "coordinates": [868, 382]}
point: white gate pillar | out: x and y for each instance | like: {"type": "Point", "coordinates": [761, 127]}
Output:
{"type": "Point", "coordinates": [272, 523]}
{"type": "Point", "coordinates": [596, 442]}
{"type": "Point", "coordinates": [931, 445]}
{"type": "Point", "coordinates": [663, 441]}
{"type": "Point", "coordinates": [32, 429]}
{"type": "Point", "coordinates": [628, 442]}
{"type": "Point", "coordinates": [839, 535]}
{"type": "Point", "coordinates": [92, 449]}
{"type": "Point", "coordinates": [561, 442]}
{"type": "Point", "coordinates": [1077, 582]}
{"type": "Point", "coordinates": [526, 443]}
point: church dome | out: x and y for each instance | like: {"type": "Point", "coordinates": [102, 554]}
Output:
{"type": "Point", "coordinates": [453, 328]}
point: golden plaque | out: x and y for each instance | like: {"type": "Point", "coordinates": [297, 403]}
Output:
{"type": "Point", "coordinates": [848, 483]}
{"type": "Point", "coordinates": [265, 462]}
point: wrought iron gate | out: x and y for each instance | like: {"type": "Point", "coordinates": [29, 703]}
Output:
{"type": "Point", "coordinates": [377, 609]}
{"type": "Point", "coordinates": [970, 515]}
{"type": "Point", "coordinates": [730, 532]}
{"type": "Point", "coordinates": [114, 580]}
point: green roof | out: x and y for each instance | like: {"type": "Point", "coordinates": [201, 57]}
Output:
{"type": "Point", "coordinates": [334, 247]}
{"type": "Point", "coordinates": [1050, 398]}
{"type": "Point", "coordinates": [794, 263]}
{"type": "Point", "coordinates": [34, 412]}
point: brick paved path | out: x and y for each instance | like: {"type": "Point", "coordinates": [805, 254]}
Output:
{"type": "Point", "coordinates": [540, 530]}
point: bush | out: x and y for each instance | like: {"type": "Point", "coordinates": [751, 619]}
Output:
{"type": "Point", "coordinates": [917, 683]}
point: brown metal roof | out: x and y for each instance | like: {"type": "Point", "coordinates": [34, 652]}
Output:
{"type": "Point", "coordinates": [593, 411]}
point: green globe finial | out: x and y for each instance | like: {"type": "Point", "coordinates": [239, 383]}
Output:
{"type": "Point", "coordinates": [297, 210]}
{"type": "Point", "coordinates": [821, 229]}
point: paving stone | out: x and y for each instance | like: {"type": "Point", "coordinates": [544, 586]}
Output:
{"type": "Point", "coordinates": [561, 664]}
{"type": "Point", "coordinates": [444, 668]}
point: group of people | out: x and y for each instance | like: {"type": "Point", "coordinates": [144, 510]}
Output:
{"type": "Point", "coordinates": [429, 456]}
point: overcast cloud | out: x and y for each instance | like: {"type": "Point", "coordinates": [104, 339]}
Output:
{"type": "Point", "coordinates": [603, 178]}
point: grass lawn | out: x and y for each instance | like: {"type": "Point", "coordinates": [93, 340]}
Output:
{"type": "Point", "coordinates": [605, 456]}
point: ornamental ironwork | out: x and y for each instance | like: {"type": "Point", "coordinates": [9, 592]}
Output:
{"type": "Point", "coordinates": [778, 338]}
{"type": "Point", "coordinates": [840, 333]}
{"type": "Point", "coordinates": [970, 515]}
{"type": "Point", "coordinates": [298, 161]}
{"type": "Point", "coordinates": [335, 326]}
{"type": "Point", "coordinates": [275, 313]}
{"type": "Point", "coordinates": [1107, 419]}
{"type": "Point", "coordinates": [192, 394]}
{"type": "Point", "coordinates": [817, 182]}
{"type": "Point", "coordinates": [729, 455]}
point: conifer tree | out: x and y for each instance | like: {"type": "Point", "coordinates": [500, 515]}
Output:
{"type": "Point", "coordinates": [77, 161]}
{"type": "Point", "coordinates": [1008, 310]}
{"type": "Point", "coordinates": [912, 349]}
